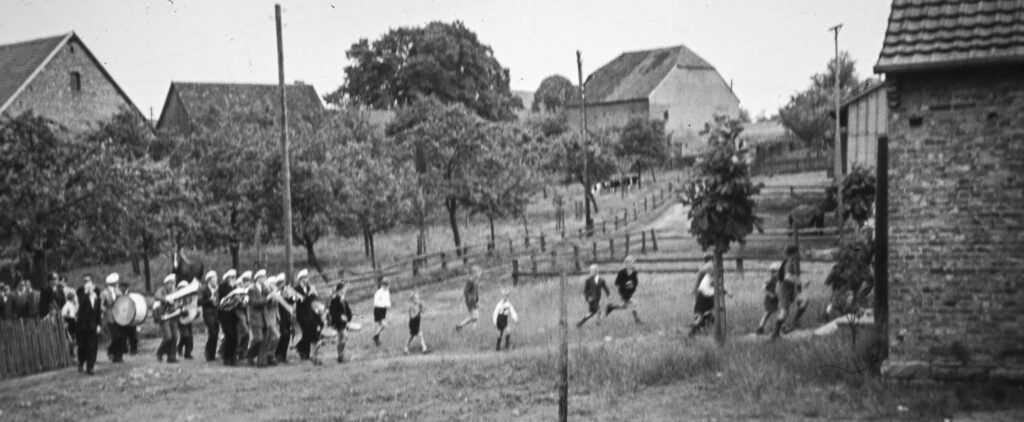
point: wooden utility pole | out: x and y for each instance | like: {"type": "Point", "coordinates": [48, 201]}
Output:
{"type": "Point", "coordinates": [563, 352]}
{"type": "Point", "coordinates": [286, 168]}
{"type": "Point", "coordinates": [588, 221]}
{"type": "Point", "coordinates": [882, 246]}
{"type": "Point", "coordinates": [837, 166]}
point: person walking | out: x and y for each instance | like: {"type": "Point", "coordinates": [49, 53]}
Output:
{"type": "Point", "coordinates": [87, 324]}
{"type": "Point", "coordinates": [208, 305]}
{"type": "Point", "coordinates": [381, 304]}
{"type": "Point", "coordinates": [305, 315]}
{"type": "Point", "coordinates": [165, 315]}
{"type": "Point", "coordinates": [626, 281]}
{"type": "Point", "coordinates": [592, 287]}
{"type": "Point", "coordinates": [471, 293]}
{"type": "Point", "coordinates": [504, 314]}
{"type": "Point", "coordinates": [228, 318]}
{"type": "Point", "coordinates": [117, 346]}
{"type": "Point", "coordinates": [340, 316]}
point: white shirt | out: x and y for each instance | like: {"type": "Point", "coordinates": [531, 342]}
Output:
{"type": "Point", "coordinates": [70, 310]}
{"type": "Point", "coordinates": [505, 307]}
{"type": "Point", "coordinates": [382, 299]}
{"type": "Point", "coordinates": [707, 286]}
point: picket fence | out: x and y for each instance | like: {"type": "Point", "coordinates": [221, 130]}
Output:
{"type": "Point", "coordinates": [31, 346]}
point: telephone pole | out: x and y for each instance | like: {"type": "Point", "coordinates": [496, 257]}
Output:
{"type": "Point", "coordinates": [586, 176]}
{"type": "Point", "coordinates": [837, 166]}
{"type": "Point", "coordinates": [286, 169]}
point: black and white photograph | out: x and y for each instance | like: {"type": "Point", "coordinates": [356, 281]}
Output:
{"type": "Point", "coordinates": [500, 210]}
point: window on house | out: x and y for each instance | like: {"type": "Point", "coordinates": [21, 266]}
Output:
{"type": "Point", "coordinates": [76, 82]}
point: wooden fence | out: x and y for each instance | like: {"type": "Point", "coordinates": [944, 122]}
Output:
{"type": "Point", "coordinates": [33, 345]}
{"type": "Point", "coordinates": [770, 167]}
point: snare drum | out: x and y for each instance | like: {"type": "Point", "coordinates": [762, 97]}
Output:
{"type": "Point", "coordinates": [130, 310]}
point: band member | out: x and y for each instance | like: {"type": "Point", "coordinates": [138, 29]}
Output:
{"type": "Point", "coordinates": [626, 281]}
{"type": "Point", "coordinates": [131, 334]}
{"type": "Point", "coordinates": [415, 312]}
{"type": "Point", "coordinates": [168, 325]}
{"type": "Point", "coordinates": [381, 304]}
{"type": "Point", "coordinates": [208, 304]}
{"type": "Point", "coordinates": [185, 339]}
{"type": "Point", "coordinates": [70, 314]}
{"type": "Point", "coordinates": [88, 324]}
{"type": "Point", "coordinates": [304, 314]}
{"type": "Point", "coordinates": [704, 295]}
{"type": "Point", "coordinates": [472, 295]}
{"type": "Point", "coordinates": [592, 287]}
{"type": "Point", "coordinates": [286, 320]}
{"type": "Point", "coordinates": [771, 299]}
{"type": "Point", "coordinates": [244, 283]}
{"type": "Point", "coordinates": [790, 290]}
{"type": "Point", "coordinates": [228, 319]}
{"type": "Point", "coordinates": [504, 311]}
{"type": "Point", "coordinates": [117, 346]}
{"type": "Point", "coordinates": [270, 316]}
{"type": "Point", "coordinates": [255, 308]}
{"type": "Point", "coordinates": [341, 315]}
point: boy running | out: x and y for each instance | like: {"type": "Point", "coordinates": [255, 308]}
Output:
{"type": "Point", "coordinates": [341, 315]}
{"type": "Point", "coordinates": [771, 300]}
{"type": "Point", "coordinates": [626, 281]}
{"type": "Point", "coordinates": [472, 295]}
{"type": "Point", "coordinates": [790, 290]}
{"type": "Point", "coordinates": [592, 287]}
{"type": "Point", "coordinates": [415, 311]}
{"type": "Point", "coordinates": [381, 304]}
{"type": "Point", "coordinates": [502, 313]}
{"type": "Point", "coordinates": [704, 295]}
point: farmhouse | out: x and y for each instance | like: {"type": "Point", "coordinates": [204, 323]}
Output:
{"type": "Point", "coordinates": [956, 139]}
{"type": "Point", "coordinates": [673, 84]}
{"type": "Point", "coordinates": [188, 102]}
{"type": "Point", "coordinates": [59, 78]}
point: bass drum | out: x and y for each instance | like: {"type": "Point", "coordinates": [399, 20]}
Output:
{"type": "Point", "coordinates": [130, 310]}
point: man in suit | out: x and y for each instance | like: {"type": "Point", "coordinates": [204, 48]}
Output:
{"type": "Point", "coordinates": [257, 319]}
{"type": "Point", "coordinates": [169, 325]}
{"type": "Point", "coordinates": [131, 334]}
{"type": "Point", "coordinates": [48, 302]}
{"type": "Point", "coordinates": [305, 315]}
{"type": "Point", "coordinates": [285, 321]}
{"type": "Point", "coordinates": [228, 320]}
{"type": "Point", "coordinates": [88, 324]}
{"type": "Point", "coordinates": [208, 303]}
{"type": "Point", "coordinates": [117, 346]}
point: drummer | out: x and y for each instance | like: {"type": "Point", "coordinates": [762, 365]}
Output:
{"type": "Point", "coordinates": [131, 334]}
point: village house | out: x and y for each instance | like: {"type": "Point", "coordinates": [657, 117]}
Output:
{"type": "Point", "coordinates": [955, 102]}
{"type": "Point", "coordinates": [59, 78]}
{"type": "Point", "coordinates": [863, 119]}
{"type": "Point", "coordinates": [672, 84]}
{"type": "Point", "coordinates": [188, 102]}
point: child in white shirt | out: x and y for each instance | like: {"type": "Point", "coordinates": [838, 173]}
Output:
{"type": "Point", "coordinates": [502, 313]}
{"type": "Point", "coordinates": [381, 304]}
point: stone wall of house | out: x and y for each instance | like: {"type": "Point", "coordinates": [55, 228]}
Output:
{"type": "Point", "coordinates": [50, 94]}
{"type": "Point", "coordinates": [608, 115]}
{"type": "Point", "coordinates": [957, 225]}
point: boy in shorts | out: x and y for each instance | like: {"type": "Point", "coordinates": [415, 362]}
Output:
{"type": "Point", "coordinates": [771, 299]}
{"type": "Point", "coordinates": [503, 312]}
{"type": "Point", "coordinates": [415, 311]}
{"type": "Point", "coordinates": [381, 304]}
{"type": "Point", "coordinates": [472, 295]}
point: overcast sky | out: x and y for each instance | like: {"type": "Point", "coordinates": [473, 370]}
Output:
{"type": "Point", "coordinates": [768, 49]}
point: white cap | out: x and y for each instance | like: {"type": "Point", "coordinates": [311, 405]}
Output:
{"type": "Point", "coordinates": [211, 274]}
{"type": "Point", "coordinates": [260, 273]}
{"type": "Point", "coordinates": [113, 278]}
{"type": "Point", "coordinates": [302, 274]}
{"type": "Point", "coordinates": [229, 273]}
{"type": "Point", "coordinates": [245, 276]}
{"type": "Point", "coordinates": [276, 280]}
{"type": "Point", "coordinates": [170, 278]}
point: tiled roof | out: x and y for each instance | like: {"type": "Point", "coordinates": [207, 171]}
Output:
{"type": "Point", "coordinates": [19, 61]}
{"type": "Point", "coordinates": [943, 33]}
{"type": "Point", "coordinates": [634, 75]}
{"type": "Point", "coordinates": [198, 97]}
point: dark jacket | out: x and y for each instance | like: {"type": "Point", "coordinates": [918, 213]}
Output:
{"type": "Point", "coordinates": [304, 308]}
{"type": "Point", "coordinates": [208, 300]}
{"type": "Point", "coordinates": [255, 310]}
{"type": "Point", "coordinates": [626, 281]}
{"type": "Point", "coordinates": [336, 309]}
{"type": "Point", "coordinates": [89, 312]}
{"type": "Point", "coordinates": [592, 289]}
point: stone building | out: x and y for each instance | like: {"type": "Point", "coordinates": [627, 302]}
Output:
{"type": "Point", "coordinates": [673, 84]}
{"type": "Point", "coordinates": [59, 78]}
{"type": "Point", "coordinates": [956, 138]}
{"type": "Point", "coordinates": [187, 102]}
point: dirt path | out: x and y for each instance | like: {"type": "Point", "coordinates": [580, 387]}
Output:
{"type": "Point", "coordinates": [674, 218]}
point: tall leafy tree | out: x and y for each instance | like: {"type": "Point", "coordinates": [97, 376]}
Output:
{"type": "Point", "coordinates": [643, 144]}
{"type": "Point", "coordinates": [722, 208]}
{"type": "Point", "coordinates": [553, 94]}
{"type": "Point", "coordinates": [807, 112]}
{"type": "Point", "coordinates": [504, 179]}
{"type": "Point", "coordinates": [566, 156]}
{"type": "Point", "coordinates": [443, 60]}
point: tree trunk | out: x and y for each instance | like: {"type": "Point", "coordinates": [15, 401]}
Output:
{"type": "Point", "coordinates": [233, 249]}
{"type": "Point", "coordinates": [653, 178]}
{"type": "Point", "coordinates": [490, 219]}
{"type": "Point", "coordinates": [134, 257]}
{"type": "Point", "coordinates": [453, 208]}
{"type": "Point", "coordinates": [719, 296]}
{"type": "Point", "coordinates": [146, 251]}
{"type": "Point", "coordinates": [593, 202]}
{"type": "Point", "coordinates": [366, 244]}
{"type": "Point", "coordinates": [526, 226]}
{"type": "Point", "coordinates": [639, 178]}
{"type": "Point", "coordinates": [38, 268]}
{"type": "Point", "coordinates": [311, 255]}
{"type": "Point", "coordinates": [373, 250]}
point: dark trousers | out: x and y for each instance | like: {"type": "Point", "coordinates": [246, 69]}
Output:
{"type": "Point", "coordinates": [168, 346]}
{"type": "Point", "coordinates": [88, 345]}
{"type": "Point", "coordinates": [212, 331]}
{"type": "Point", "coordinates": [185, 342]}
{"type": "Point", "coordinates": [243, 334]}
{"type": "Point", "coordinates": [118, 342]}
{"type": "Point", "coordinates": [256, 336]}
{"type": "Point", "coordinates": [69, 324]}
{"type": "Point", "coordinates": [131, 336]}
{"type": "Point", "coordinates": [286, 336]}
{"type": "Point", "coordinates": [309, 336]}
{"type": "Point", "coordinates": [229, 349]}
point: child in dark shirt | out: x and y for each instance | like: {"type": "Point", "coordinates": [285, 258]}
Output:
{"type": "Point", "coordinates": [771, 299]}
{"type": "Point", "coordinates": [340, 316]}
{"type": "Point", "coordinates": [592, 287]}
{"type": "Point", "coordinates": [415, 311]}
{"type": "Point", "coordinates": [626, 281]}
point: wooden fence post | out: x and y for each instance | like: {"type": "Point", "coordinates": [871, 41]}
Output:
{"type": "Point", "coordinates": [415, 267]}
{"type": "Point", "coordinates": [604, 227]}
{"type": "Point", "coordinates": [554, 259]}
{"type": "Point", "coordinates": [526, 239]}
{"type": "Point", "coordinates": [611, 248]}
{"type": "Point", "coordinates": [465, 255]}
{"type": "Point", "coordinates": [444, 261]}
{"type": "Point", "coordinates": [654, 241]}
{"type": "Point", "coordinates": [643, 242]}
{"type": "Point", "coordinates": [576, 256]}
{"type": "Point", "coordinates": [515, 272]}
{"type": "Point", "coordinates": [627, 244]}
{"type": "Point", "coordinates": [634, 211]}
{"type": "Point", "coordinates": [542, 242]}
{"type": "Point", "coordinates": [533, 263]}
{"type": "Point", "coordinates": [511, 250]}
{"type": "Point", "coordinates": [593, 254]}
{"type": "Point", "coordinates": [616, 222]}
{"type": "Point", "coordinates": [645, 204]}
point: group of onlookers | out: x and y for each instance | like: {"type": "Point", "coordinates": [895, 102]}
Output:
{"type": "Point", "coordinates": [26, 302]}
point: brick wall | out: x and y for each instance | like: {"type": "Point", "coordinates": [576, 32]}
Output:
{"type": "Point", "coordinates": [50, 93]}
{"type": "Point", "coordinates": [956, 218]}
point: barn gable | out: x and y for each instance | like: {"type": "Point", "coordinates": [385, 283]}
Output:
{"type": "Point", "coordinates": [189, 100]}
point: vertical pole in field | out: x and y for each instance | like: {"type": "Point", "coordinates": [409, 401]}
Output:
{"type": "Point", "coordinates": [882, 246]}
{"type": "Point", "coordinates": [589, 222]}
{"type": "Point", "coordinates": [837, 167]}
{"type": "Point", "coordinates": [286, 169]}
{"type": "Point", "coordinates": [563, 352]}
